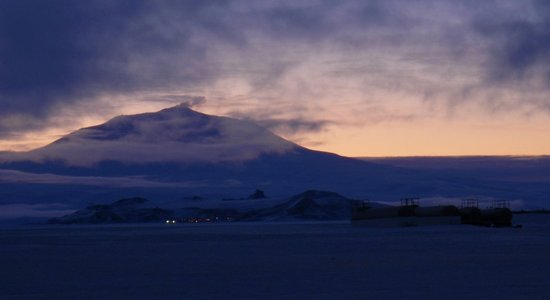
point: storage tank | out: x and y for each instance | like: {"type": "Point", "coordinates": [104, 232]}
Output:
{"type": "Point", "coordinates": [383, 212]}
{"type": "Point", "coordinates": [470, 215]}
{"type": "Point", "coordinates": [407, 211]}
{"type": "Point", "coordinates": [497, 217]}
{"type": "Point", "coordinates": [437, 211]}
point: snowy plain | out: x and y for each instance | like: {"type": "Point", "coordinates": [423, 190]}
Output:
{"type": "Point", "coordinates": [328, 260]}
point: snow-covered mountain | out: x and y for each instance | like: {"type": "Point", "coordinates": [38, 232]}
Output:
{"type": "Point", "coordinates": [177, 134]}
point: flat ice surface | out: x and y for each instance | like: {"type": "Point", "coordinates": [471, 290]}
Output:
{"type": "Point", "coordinates": [276, 261]}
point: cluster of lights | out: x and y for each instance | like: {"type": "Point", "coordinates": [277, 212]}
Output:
{"type": "Point", "coordinates": [200, 220]}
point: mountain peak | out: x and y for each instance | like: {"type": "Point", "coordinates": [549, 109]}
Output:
{"type": "Point", "coordinates": [182, 108]}
{"type": "Point", "coordinates": [174, 134]}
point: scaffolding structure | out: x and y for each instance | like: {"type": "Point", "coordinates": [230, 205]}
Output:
{"type": "Point", "coordinates": [500, 204]}
{"type": "Point", "coordinates": [410, 201]}
{"type": "Point", "coordinates": [470, 203]}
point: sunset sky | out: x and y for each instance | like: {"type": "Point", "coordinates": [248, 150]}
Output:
{"type": "Point", "coordinates": [359, 78]}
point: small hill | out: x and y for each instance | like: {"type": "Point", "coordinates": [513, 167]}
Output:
{"type": "Point", "coordinates": [128, 210]}
{"type": "Point", "coordinates": [309, 205]}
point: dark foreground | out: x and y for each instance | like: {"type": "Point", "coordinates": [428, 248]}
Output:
{"type": "Point", "coordinates": [275, 261]}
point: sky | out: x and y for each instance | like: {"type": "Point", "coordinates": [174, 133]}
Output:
{"type": "Point", "coordinates": [359, 78]}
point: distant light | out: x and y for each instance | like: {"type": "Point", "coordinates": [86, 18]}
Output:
{"type": "Point", "coordinates": [173, 221]}
{"type": "Point", "coordinates": [167, 221]}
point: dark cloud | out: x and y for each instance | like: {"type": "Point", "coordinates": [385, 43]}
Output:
{"type": "Point", "coordinates": [310, 23]}
{"type": "Point", "coordinates": [519, 47]}
{"type": "Point", "coordinates": [60, 52]}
